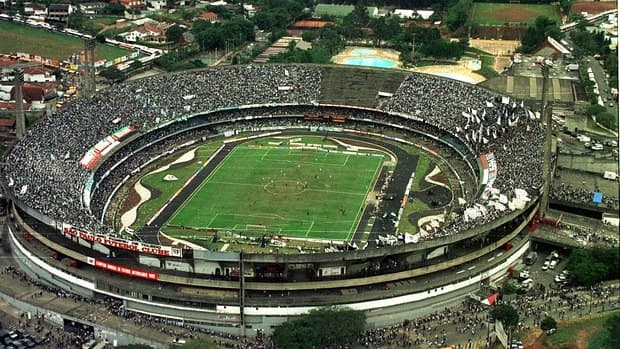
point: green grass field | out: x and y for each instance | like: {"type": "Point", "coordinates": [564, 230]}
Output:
{"type": "Point", "coordinates": [20, 38]}
{"type": "Point", "coordinates": [166, 189]}
{"type": "Point", "coordinates": [500, 13]}
{"type": "Point", "coordinates": [569, 331]}
{"type": "Point", "coordinates": [299, 193]}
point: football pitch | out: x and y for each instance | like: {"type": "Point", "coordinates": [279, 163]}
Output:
{"type": "Point", "coordinates": [298, 193]}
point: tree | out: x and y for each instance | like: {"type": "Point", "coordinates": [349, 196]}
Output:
{"type": "Point", "coordinates": [320, 328]}
{"type": "Point", "coordinates": [506, 314]}
{"type": "Point", "coordinates": [584, 269]}
{"type": "Point", "coordinates": [608, 120]}
{"type": "Point", "coordinates": [76, 20]}
{"type": "Point", "coordinates": [509, 287]}
{"type": "Point", "coordinates": [309, 36]}
{"type": "Point", "coordinates": [536, 34]}
{"type": "Point", "coordinates": [113, 74]}
{"type": "Point", "coordinates": [114, 8]}
{"type": "Point", "coordinates": [100, 38]}
{"type": "Point", "coordinates": [566, 5]}
{"type": "Point", "coordinates": [457, 14]}
{"type": "Point", "coordinates": [359, 16]}
{"type": "Point", "coordinates": [174, 33]}
{"type": "Point", "coordinates": [548, 323]}
{"type": "Point", "coordinates": [594, 109]}
{"type": "Point", "coordinates": [296, 334]}
{"type": "Point", "coordinates": [612, 327]}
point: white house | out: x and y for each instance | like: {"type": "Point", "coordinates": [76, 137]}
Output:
{"type": "Point", "coordinates": [38, 74]}
{"type": "Point", "coordinates": [402, 13]}
{"type": "Point", "coordinates": [156, 4]}
{"type": "Point", "coordinates": [425, 14]}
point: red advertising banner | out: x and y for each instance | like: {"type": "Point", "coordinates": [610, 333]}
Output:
{"type": "Point", "coordinates": [120, 269]}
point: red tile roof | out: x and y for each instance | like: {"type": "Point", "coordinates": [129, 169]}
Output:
{"type": "Point", "coordinates": [7, 123]}
{"type": "Point", "coordinates": [208, 16]}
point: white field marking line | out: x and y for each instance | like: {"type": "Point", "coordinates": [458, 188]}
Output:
{"type": "Point", "coordinates": [309, 229]}
{"type": "Point", "coordinates": [345, 161]}
{"type": "Point", "coordinates": [307, 189]}
{"type": "Point", "coordinates": [265, 154]}
{"type": "Point", "coordinates": [357, 219]}
{"type": "Point", "coordinates": [212, 219]}
{"type": "Point", "coordinates": [200, 186]}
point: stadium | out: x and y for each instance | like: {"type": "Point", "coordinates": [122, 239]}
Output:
{"type": "Point", "coordinates": [305, 175]}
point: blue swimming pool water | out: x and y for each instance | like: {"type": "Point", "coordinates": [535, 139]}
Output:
{"type": "Point", "coordinates": [371, 62]}
{"type": "Point", "coordinates": [363, 52]}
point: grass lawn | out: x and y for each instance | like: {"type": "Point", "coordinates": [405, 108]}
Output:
{"type": "Point", "coordinates": [570, 331]}
{"type": "Point", "coordinates": [501, 13]}
{"type": "Point", "coordinates": [411, 207]}
{"type": "Point", "coordinates": [274, 189]}
{"type": "Point", "coordinates": [166, 189]}
{"type": "Point", "coordinates": [421, 170]}
{"type": "Point", "coordinates": [106, 20]}
{"type": "Point", "coordinates": [40, 42]}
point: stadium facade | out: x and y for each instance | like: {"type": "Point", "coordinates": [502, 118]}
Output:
{"type": "Point", "coordinates": [62, 177]}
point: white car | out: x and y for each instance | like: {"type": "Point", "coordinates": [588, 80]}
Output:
{"type": "Point", "coordinates": [545, 265]}
{"type": "Point", "coordinates": [553, 264]}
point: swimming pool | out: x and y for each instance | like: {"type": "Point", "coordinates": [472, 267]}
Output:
{"type": "Point", "coordinates": [371, 62]}
{"type": "Point", "coordinates": [363, 52]}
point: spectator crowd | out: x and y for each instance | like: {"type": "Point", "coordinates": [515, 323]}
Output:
{"type": "Point", "coordinates": [43, 170]}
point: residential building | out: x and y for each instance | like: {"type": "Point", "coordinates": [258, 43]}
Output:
{"type": "Point", "coordinates": [210, 16]}
{"type": "Point", "coordinates": [133, 4]}
{"type": "Point", "coordinates": [92, 8]}
{"type": "Point", "coordinates": [35, 9]}
{"type": "Point", "coordinates": [59, 12]}
{"type": "Point", "coordinates": [38, 74]}
{"type": "Point", "coordinates": [149, 31]}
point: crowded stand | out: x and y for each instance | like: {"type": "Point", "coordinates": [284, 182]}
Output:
{"type": "Point", "coordinates": [43, 170]}
{"type": "Point", "coordinates": [570, 193]}
{"type": "Point", "coordinates": [489, 125]}
{"type": "Point", "coordinates": [47, 171]}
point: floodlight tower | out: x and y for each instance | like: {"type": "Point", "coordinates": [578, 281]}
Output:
{"type": "Point", "coordinates": [20, 118]}
{"type": "Point", "coordinates": [545, 115]}
{"type": "Point", "coordinates": [88, 71]}
{"type": "Point", "coordinates": [18, 83]}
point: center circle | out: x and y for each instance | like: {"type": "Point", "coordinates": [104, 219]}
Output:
{"type": "Point", "coordinates": [285, 186]}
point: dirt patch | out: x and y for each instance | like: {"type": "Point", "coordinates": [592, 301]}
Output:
{"type": "Point", "coordinates": [439, 178]}
{"type": "Point", "coordinates": [133, 198]}
{"type": "Point", "coordinates": [583, 336]}
{"type": "Point", "coordinates": [593, 7]}
{"type": "Point", "coordinates": [498, 33]}
{"type": "Point", "coordinates": [516, 14]}
{"type": "Point", "coordinates": [496, 47]}
{"type": "Point", "coordinates": [130, 201]}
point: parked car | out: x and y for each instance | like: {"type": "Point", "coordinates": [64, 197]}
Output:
{"type": "Point", "coordinates": [553, 264]}
{"type": "Point", "coordinates": [545, 265]}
